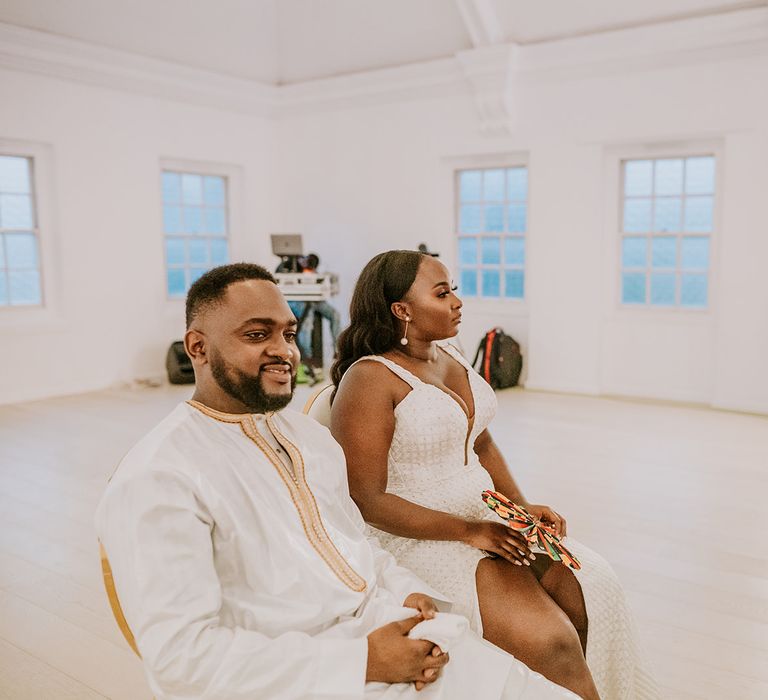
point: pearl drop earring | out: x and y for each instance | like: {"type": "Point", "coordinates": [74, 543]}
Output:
{"type": "Point", "coordinates": [404, 339]}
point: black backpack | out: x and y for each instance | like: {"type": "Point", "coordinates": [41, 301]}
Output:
{"type": "Point", "coordinates": [498, 359]}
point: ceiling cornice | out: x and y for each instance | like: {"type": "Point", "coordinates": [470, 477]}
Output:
{"type": "Point", "coordinates": [490, 72]}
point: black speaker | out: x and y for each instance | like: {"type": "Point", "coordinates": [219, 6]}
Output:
{"type": "Point", "coordinates": [179, 365]}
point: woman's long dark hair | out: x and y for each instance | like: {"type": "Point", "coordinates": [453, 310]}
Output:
{"type": "Point", "coordinates": [373, 328]}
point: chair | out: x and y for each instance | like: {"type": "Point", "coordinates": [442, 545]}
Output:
{"type": "Point", "coordinates": [114, 601]}
{"type": "Point", "coordinates": [318, 406]}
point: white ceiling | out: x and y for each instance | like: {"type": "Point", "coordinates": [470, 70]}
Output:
{"type": "Point", "coordinates": [290, 41]}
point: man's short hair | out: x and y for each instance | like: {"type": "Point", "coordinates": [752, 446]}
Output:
{"type": "Point", "coordinates": [209, 289]}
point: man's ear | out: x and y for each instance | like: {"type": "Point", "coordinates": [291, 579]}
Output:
{"type": "Point", "coordinates": [195, 346]}
{"type": "Point", "coordinates": [400, 310]}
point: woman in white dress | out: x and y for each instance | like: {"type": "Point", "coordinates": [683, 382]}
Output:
{"type": "Point", "coordinates": [412, 417]}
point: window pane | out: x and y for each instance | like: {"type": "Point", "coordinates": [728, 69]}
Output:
{"type": "Point", "coordinates": [470, 184]}
{"type": "Point", "coordinates": [3, 288]}
{"type": "Point", "coordinates": [196, 273]}
{"type": "Point", "coordinates": [494, 218]}
{"type": "Point", "coordinates": [638, 176]}
{"type": "Point", "coordinates": [637, 215]}
{"type": "Point", "coordinates": [491, 283]}
{"type": "Point", "coordinates": [514, 284]}
{"type": "Point", "coordinates": [213, 190]}
{"type": "Point", "coordinates": [215, 222]}
{"type": "Point", "coordinates": [468, 283]}
{"type": "Point", "coordinates": [493, 185]}
{"type": "Point", "coordinates": [700, 175]}
{"type": "Point", "coordinates": [693, 290]}
{"type": "Point", "coordinates": [698, 214]}
{"type": "Point", "coordinates": [490, 251]}
{"type": "Point", "coordinates": [517, 218]}
{"type": "Point", "coordinates": [517, 184]}
{"type": "Point", "coordinates": [14, 174]}
{"type": "Point", "coordinates": [471, 218]}
{"type": "Point", "coordinates": [219, 252]}
{"type": "Point", "coordinates": [176, 284]}
{"type": "Point", "coordinates": [24, 287]}
{"type": "Point", "coordinates": [694, 252]}
{"type": "Point", "coordinates": [663, 289]}
{"type": "Point", "coordinates": [198, 252]}
{"type": "Point", "coordinates": [193, 220]}
{"type": "Point", "coordinates": [16, 211]}
{"type": "Point", "coordinates": [172, 219]}
{"type": "Point", "coordinates": [21, 250]}
{"type": "Point", "coordinates": [514, 251]}
{"type": "Point", "coordinates": [174, 251]}
{"type": "Point", "coordinates": [668, 214]}
{"type": "Point", "coordinates": [467, 251]}
{"type": "Point", "coordinates": [634, 252]}
{"type": "Point", "coordinates": [192, 188]}
{"type": "Point", "coordinates": [633, 288]}
{"type": "Point", "coordinates": [664, 251]}
{"type": "Point", "coordinates": [2, 250]}
{"type": "Point", "coordinates": [669, 176]}
{"type": "Point", "coordinates": [172, 187]}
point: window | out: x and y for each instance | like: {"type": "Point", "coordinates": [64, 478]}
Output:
{"type": "Point", "coordinates": [195, 227]}
{"type": "Point", "coordinates": [20, 279]}
{"type": "Point", "coordinates": [491, 222]}
{"type": "Point", "coordinates": [667, 223]}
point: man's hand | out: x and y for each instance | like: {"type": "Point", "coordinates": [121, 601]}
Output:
{"type": "Point", "coordinates": [423, 603]}
{"type": "Point", "coordinates": [550, 517]}
{"type": "Point", "coordinates": [394, 658]}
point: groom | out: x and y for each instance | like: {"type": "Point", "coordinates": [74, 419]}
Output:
{"type": "Point", "coordinates": [238, 556]}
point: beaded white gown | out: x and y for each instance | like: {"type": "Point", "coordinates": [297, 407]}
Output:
{"type": "Point", "coordinates": [427, 465]}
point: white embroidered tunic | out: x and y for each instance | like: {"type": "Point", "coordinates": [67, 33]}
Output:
{"type": "Point", "coordinates": [241, 577]}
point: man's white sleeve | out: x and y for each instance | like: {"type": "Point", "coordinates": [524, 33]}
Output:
{"type": "Point", "coordinates": [157, 536]}
{"type": "Point", "coordinates": [398, 580]}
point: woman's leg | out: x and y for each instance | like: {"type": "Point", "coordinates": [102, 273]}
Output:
{"type": "Point", "coordinates": [563, 587]}
{"type": "Point", "coordinates": [519, 616]}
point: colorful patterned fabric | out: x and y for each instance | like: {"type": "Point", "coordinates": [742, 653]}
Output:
{"type": "Point", "coordinates": [539, 534]}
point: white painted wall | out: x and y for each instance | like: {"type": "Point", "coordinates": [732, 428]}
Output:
{"type": "Point", "coordinates": [362, 179]}
{"type": "Point", "coordinates": [358, 172]}
{"type": "Point", "coordinates": [111, 321]}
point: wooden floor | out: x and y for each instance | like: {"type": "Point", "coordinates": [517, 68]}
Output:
{"type": "Point", "coordinates": [675, 497]}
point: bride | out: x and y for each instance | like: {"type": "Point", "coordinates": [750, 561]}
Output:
{"type": "Point", "coordinates": [412, 417]}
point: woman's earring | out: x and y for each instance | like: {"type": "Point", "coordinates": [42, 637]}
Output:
{"type": "Point", "coordinates": [404, 339]}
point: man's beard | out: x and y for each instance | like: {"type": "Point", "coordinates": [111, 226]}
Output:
{"type": "Point", "coordinates": [248, 389]}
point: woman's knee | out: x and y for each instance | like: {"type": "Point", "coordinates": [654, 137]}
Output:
{"type": "Point", "coordinates": [557, 643]}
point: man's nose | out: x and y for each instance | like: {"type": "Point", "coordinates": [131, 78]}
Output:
{"type": "Point", "coordinates": [282, 348]}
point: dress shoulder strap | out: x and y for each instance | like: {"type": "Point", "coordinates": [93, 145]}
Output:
{"type": "Point", "coordinates": [455, 353]}
{"type": "Point", "coordinates": [411, 379]}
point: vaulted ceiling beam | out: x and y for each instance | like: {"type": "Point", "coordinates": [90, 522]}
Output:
{"type": "Point", "coordinates": [482, 22]}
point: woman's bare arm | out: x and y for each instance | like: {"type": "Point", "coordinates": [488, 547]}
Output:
{"type": "Point", "coordinates": [491, 458]}
{"type": "Point", "coordinates": [363, 423]}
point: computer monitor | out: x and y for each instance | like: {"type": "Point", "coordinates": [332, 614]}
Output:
{"type": "Point", "coordinates": [287, 244]}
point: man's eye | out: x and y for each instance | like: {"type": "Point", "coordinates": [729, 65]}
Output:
{"type": "Point", "coordinates": [290, 336]}
{"type": "Point", "coordinates": [255, 335]}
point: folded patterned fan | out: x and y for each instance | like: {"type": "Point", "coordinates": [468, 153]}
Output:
{"type": "Point", "coordinates": [536, 532]}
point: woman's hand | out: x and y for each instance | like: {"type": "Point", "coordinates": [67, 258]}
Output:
{"type": "Point", "coordinates": [550, 517]}
{"type": "Point", "coordinates": [499, 539]}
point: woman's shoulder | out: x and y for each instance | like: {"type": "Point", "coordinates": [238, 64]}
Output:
{"type": "Point", "coordinates": [371, 376]}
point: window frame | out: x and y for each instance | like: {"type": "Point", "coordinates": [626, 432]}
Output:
{"type": "Point", "coordinates": [42, 186]}
{"type": "Point", "coordinates": [484, 163]}
{"type": "Point", "coordinates": [614, 160]}
{"type": "Point", "coordinates": [233, 176]}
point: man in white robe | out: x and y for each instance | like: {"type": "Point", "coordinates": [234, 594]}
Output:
{"type": "Point", "coordinates": [238, 556]}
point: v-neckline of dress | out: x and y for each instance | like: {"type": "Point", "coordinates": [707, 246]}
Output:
{"type": "Point", "coordinates": [465, 412]}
